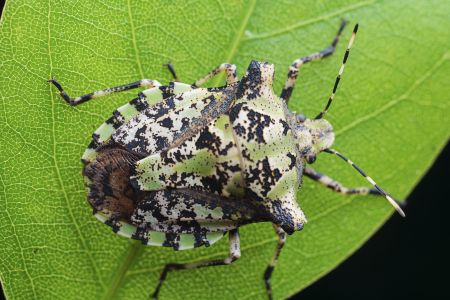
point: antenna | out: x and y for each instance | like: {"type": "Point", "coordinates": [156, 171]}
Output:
{"type": "Point", "coordinates": [341, 70]}
{"type": "Point", "coordinates": [386, 195]}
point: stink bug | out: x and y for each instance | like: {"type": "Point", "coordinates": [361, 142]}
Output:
{"type": "Point", "coordinates": [180, 165]}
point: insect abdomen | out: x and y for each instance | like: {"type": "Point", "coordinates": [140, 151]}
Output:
{"type": "Point", "coordinates": [113, 198]}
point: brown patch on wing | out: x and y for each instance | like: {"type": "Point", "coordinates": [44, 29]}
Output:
{"type": "Point", "coordinates": [110, 190]}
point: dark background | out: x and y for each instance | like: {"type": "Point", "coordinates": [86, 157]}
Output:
{"type": "Point", "coordinates": [406, 259]}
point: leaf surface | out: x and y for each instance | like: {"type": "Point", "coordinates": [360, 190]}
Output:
{"type": "Point", "coordinates": [390, 117]}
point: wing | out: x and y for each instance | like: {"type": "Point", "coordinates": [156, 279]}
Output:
{"type": "Point", "coordinates": [209, 161]}
{"type": "Point", "coordinates": [189, 211]}
{"type": "Point", "coordinates": [172, 120]}
{"type": "Point", "coordinates": [185, 219]}
{"type": "Point", "coordinates": [181, 241]}
{"type": "Point", "coordinates": [125, 113]}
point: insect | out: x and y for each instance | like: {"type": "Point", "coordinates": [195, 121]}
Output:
{"type": "Point", "coordinates": [180, 165]}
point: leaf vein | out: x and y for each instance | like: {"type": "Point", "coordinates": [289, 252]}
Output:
{"type": "Point", "coordinates": [308, 22]}
{"type": "Point", "coordinates": [55, 161]}
{"type": "Point", "coordinates": [397, 100]}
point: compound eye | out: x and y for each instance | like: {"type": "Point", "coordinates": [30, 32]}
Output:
{"type": "Point", "coordinates": [310, 158]}
{"type": "Point", "coordinates": [301, 118]}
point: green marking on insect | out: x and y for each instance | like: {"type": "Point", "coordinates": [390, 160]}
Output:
{"type": "Point", "coordinates": [180, 166]}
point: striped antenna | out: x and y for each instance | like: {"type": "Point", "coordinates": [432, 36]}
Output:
{"type": "Point", "coordinates": [341, 70]}
{"type": "Point", "coordinates": [386, 195]}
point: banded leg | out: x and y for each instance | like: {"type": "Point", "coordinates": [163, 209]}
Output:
{"type": "Point", "coordinates": [235, 253]}
{"type": "Point", "coordinates": [336, 186]}
{"type": "Point", "coordinates": [229, 69]}
{"type": "Point", "coordinates": [388, 197]}
{"type": "Point", "coordinates": [81, 99]}
{"type": "Point", "coordinates": [295, 66]}
{"type": "Point", "coordinates": [269, 270]}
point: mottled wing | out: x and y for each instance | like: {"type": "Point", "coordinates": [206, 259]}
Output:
{"type": "Point", "coordinates": [170, 121]}
{"type": "Point", "coordinates": [189, 211]}
{"type": "Point", "coordinates": [125, 113]}
{"type": "Point", "coordinates": [183, 218]}
{"type": "Point", "coordinates": [208, 161]}
{"type": "Point", "coordinates": [180, 241]}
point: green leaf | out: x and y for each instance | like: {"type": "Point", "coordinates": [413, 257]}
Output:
{"type": "Point", "coordinates": [390, 116]}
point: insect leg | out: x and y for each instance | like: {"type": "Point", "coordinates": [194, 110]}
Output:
{"type": "Point", "coordinates": [235, 253]}
{"type": "Point", "coordinates": [112, 221]}
{"type": "Point", "coordinates": [229, 69]}
{"type": "Point", "coordinates": [172, 71]}
{"type": "Point", "coordinates": [269, 270]}
{"type": "Point", "coordinates": [81, 99]}
{"type": "Point", "coordinates": [295, 66]}
{"type": "Point", "coordinates": [336, 186]}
